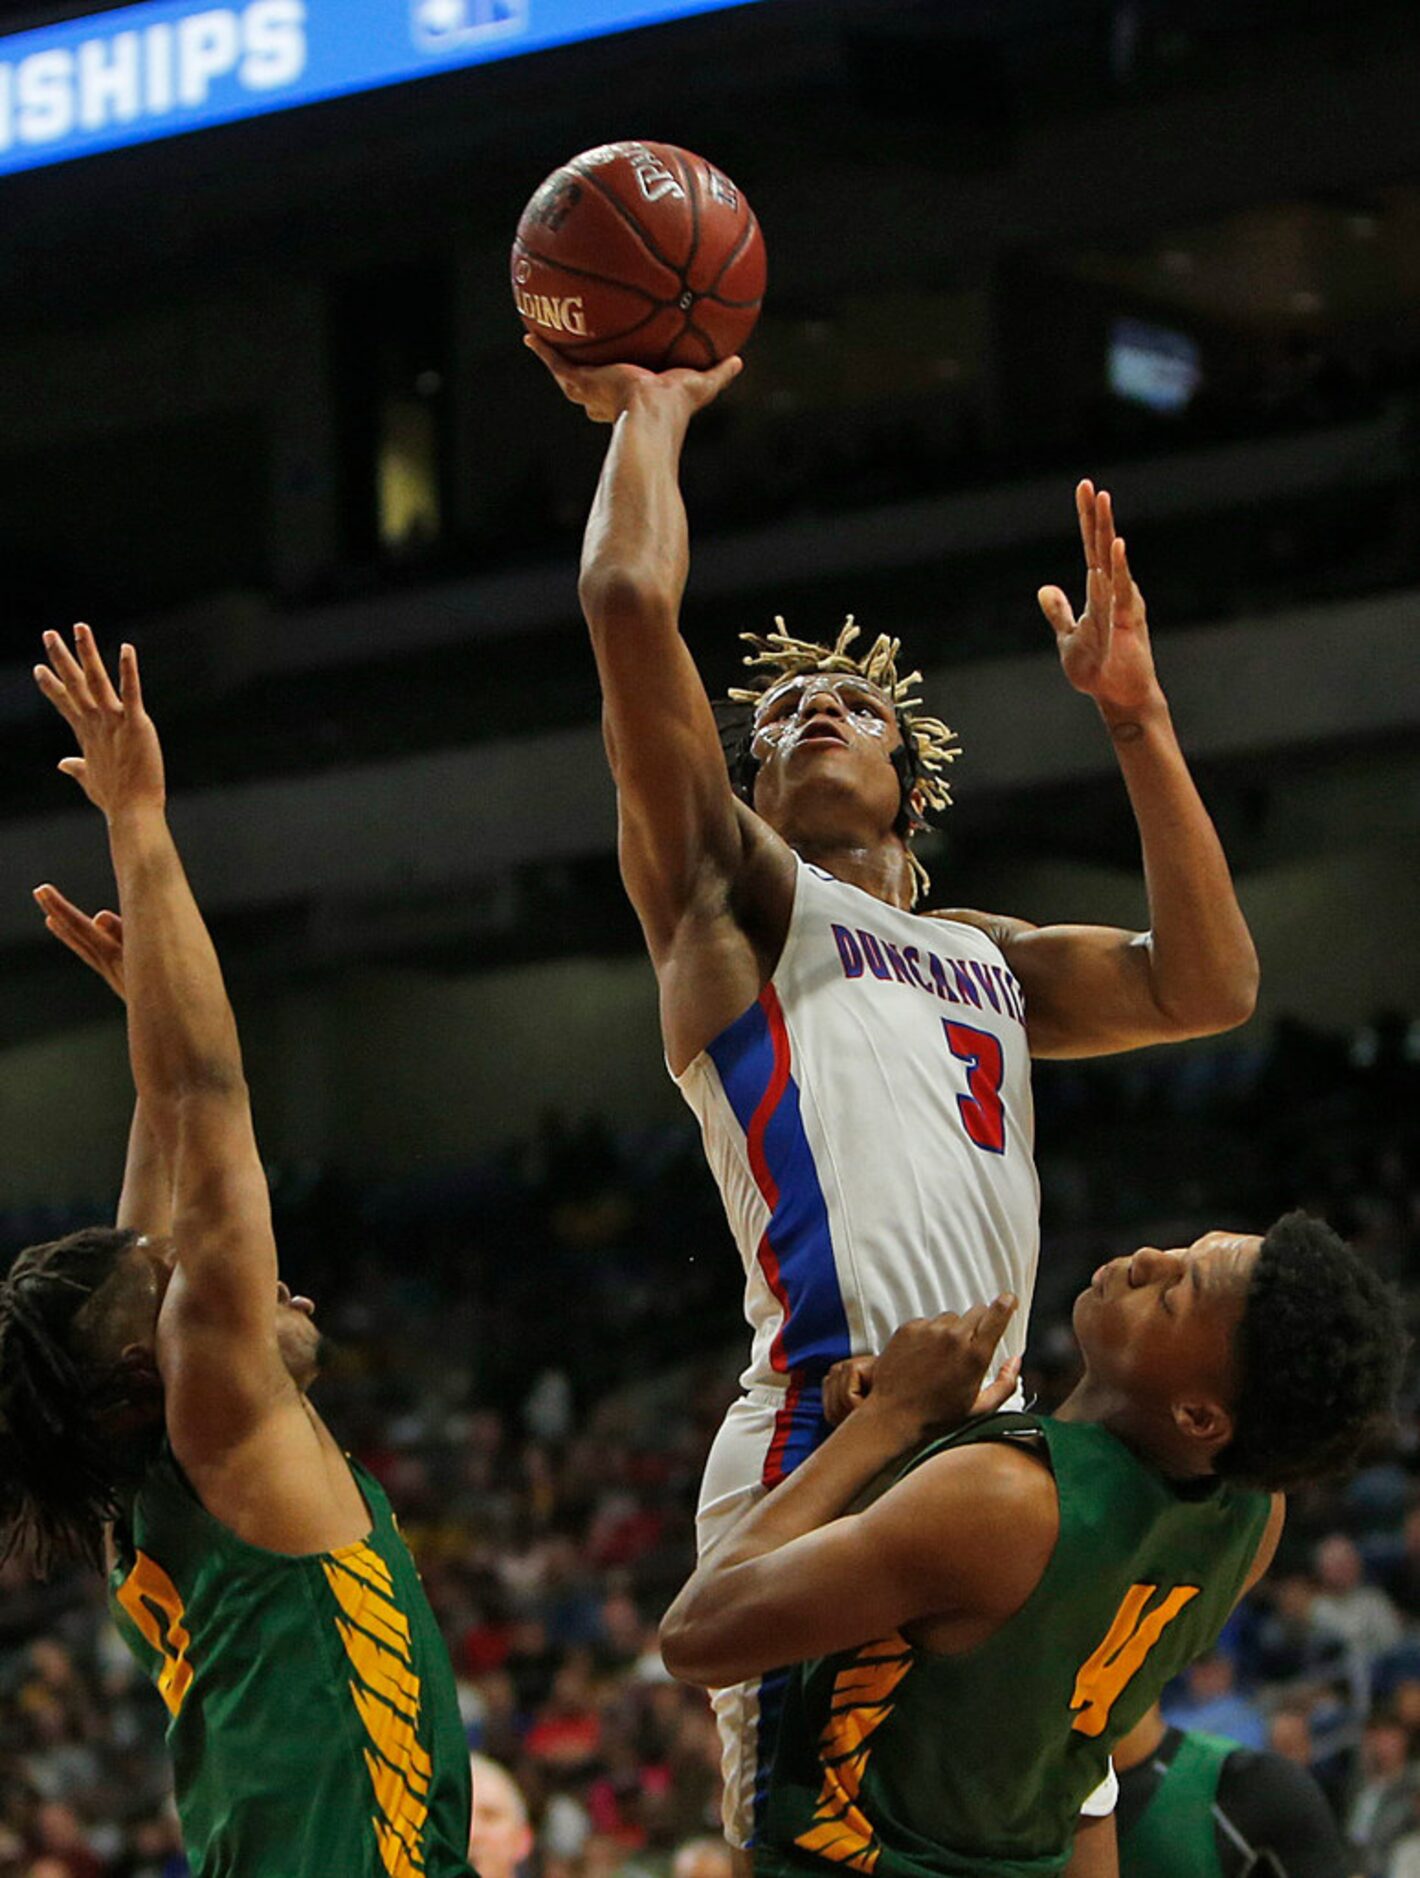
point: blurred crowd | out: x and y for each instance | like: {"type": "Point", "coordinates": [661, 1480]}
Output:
{"type": "Point", "coordinates": [519, 1352]}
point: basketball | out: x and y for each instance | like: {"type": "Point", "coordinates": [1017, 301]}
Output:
{"type": "Point", "coordinates": [639, 254]}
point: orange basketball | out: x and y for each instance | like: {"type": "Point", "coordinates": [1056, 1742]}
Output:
{"type": "Point", "coordinates": [639, 254]}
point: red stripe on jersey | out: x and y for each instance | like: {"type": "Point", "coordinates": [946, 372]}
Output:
{"type": "Point", "coordinates": [759, 1163]}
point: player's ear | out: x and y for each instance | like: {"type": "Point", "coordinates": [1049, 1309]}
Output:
{"type": "Point", "coordinates": [1205, 1424]}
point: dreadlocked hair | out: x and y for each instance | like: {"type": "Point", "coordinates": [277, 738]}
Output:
{"type": "Point", "coordinates": [928, 746]}
{"type": "Point", "coordinates": [63, 1472]}
{"type": "Point", "coordinates": [1321, 1351]}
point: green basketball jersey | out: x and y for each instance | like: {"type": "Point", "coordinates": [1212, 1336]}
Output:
{"type": "Point", "coordinates": [1174, 1836]}
{"type": "Point", "coordinates": [312, 1714]}
{"type": "Point", "coordinates": [898, 1761]}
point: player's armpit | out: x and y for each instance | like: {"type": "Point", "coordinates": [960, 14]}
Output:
{"type": "Point", "coordinates": [963, 1539]}
{"type": "Point", "coordinates": [1096, 1853]}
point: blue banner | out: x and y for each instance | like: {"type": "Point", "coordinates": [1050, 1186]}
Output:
{"type": "Point", "coordinates": [169, 66]}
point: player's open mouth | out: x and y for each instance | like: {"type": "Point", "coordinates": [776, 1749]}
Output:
{"type": "Point", "coordinates": [822, 733]}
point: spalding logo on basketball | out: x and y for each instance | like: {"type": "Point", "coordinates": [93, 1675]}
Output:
{"type": "Point", "coordinates": [639, 254]}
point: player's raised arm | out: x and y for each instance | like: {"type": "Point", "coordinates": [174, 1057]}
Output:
{"type": "Point", "coordinates": [145, 1202]}
{"type": "Point", "coordinates": [1092, 989]}
{"type": "Point", "coordinates": [678, 816]}
{"type": "Point", "coordinates": [186, 1060]}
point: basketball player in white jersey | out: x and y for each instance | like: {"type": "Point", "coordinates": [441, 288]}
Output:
{"type": "Point", "coordinates": [860, 1071]}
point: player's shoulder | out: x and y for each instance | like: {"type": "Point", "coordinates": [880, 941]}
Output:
{"type": "Point", "coordinates": [982, 1522]}
{"type": "Point", "coordinates": [1009, 1478]}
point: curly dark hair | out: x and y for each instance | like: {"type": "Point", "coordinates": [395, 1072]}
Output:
{"type": "Point", "coordinates": [1321, 1349]}
{"type": "Point", "coordinates": [65, 1457]}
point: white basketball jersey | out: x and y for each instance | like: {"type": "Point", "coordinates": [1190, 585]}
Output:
{"type": "Point", "coordinates": [870, 1125]}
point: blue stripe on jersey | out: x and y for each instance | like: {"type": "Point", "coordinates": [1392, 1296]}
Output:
{"type": "Point", "coordinates": [814, 1334]}
{"type": "Point", "coordinates": [809, 1430]}
{"type": "Point", "coordinates": [772, 1690]}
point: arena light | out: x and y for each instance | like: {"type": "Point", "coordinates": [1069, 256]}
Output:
{"type": "Point", "coordinates": [170, 66]}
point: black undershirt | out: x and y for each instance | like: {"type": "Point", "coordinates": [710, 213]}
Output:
{"type": "Point", "coordinates": [1266, 1802]}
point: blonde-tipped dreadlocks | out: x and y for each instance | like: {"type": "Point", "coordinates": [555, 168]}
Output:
{"type": "Point", "coordinates": [931, 745]}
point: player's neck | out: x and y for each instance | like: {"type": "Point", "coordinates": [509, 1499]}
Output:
{"type": "Point", "coordinates": [1155, 1441]}
{"type": "Point", "coordinates": [879, 868]}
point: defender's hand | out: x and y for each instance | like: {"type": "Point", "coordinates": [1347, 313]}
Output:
{"type": "Point", "coordinates": [846, 1387]}
{"type": "Point", "coordinates": [933, 1372]}
{"type": "Point", "coordinates": [604, 391]}
{"type": "Point", "coordinates": [122, 762]}
{"type": "Point", "coordinates": [96, 938]}
{"type": "Point", "coordinates": [1105, 653]}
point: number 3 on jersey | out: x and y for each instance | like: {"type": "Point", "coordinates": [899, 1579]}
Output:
{"type": "Point", "coordinates": [982, 1115]}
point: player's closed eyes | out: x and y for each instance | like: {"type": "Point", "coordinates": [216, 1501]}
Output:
{"type": "Point", "coordinates": [857, 703]}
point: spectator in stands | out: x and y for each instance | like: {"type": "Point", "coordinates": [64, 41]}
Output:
{"type": "Point", "coordinates": [1346, 1604]}
{"type": "Point", "coordinates": [500, 1837]}
{"type": "Point", "coordinates": [1405, 1853]}
{"type": "Point", "coordinates": [1209, 1701]}
{"type": "Point", "coordinates": [703, 1858]}
{"type": "Point", "coordinates": [1289, 1734]}
{"type": "Point", "coordinates": [1384, 1808]}
{"type": "Point", "coordinates": [1292, 1643]}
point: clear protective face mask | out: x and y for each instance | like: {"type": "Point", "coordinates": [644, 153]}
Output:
{"type": "Point", "coordinates": [780, 721]}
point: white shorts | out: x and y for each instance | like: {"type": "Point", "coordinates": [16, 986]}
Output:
{"type": "Point", "coordinates": [765, 1435]}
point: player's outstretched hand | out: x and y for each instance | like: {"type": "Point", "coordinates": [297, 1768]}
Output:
{"type": "Point", "coordinates": [121, 761]}
{"type": "Point", "coordinates": [96, 938]}
{"type": "Point", "coordinates": [604, 391]}
{"type": "Point", "coordinates": [933, 1372]}
{"type": "Point", "coordinates": [1105, 652]}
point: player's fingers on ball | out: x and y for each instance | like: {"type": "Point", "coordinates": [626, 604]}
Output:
{"type": "Point", "coordinates": [540, 349]}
